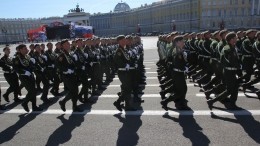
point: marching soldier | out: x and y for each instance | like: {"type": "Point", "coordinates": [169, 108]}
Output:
{"type": "Point", "coordinates": [40, 72]}
{"type": "Point", "coordinates": [23, 65]}
{"type": "Point", "coordinates": [230, 63]}
{"type": "Point", "coordinates": [80, 60]}
{"type": "Point", "coordinates": [178, 77]}
{"type": "Point", "coordinates": [122, 62]}
{"type": "Point", "coordinates": [256, 54]}
{"type": "Point", "coordinates": [51, 69]}
{"type": "Point", "coordinates": [67, 67]}
{"type": "Point", "coordinates": [10, 75]}
{"type": "Point", "coordinates": [247, 55]}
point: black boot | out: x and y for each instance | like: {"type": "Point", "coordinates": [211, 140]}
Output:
{"type": "Point", "coordinates": [25, 106]}
{"type": "Point", "coordinates": [62, 106]}
{"type": "Point", "coordinates": [6, 97]}
{"type": "Point", "coordinates": [117, 104]}
{"type": "Point", "coordinates": [164, 104]}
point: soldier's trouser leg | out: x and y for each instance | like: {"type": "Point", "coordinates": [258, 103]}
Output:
{"type": "Point", "coordinates": [232, 85]}
{"type": "Point", "coordinates": [85, 84]}
{"type": "Point", "coordinates": [12, 80]}
{"type": "Point", "coordinates": [56, 83]}
{"type": "Point", "coordinates": [29, 84]}
{"type": "Point", "coordinates": [248, 64]}
{"type": "Point", "coordinates": [72, 84]}
{"type": "Point", "coordinates": [126, 88]}
{"type": "Point", "coordinates": [179, 87]}
{"type": "Point", "coordinates": [38, 81]}
{"type": "Point", "coordinates": [46, 86]}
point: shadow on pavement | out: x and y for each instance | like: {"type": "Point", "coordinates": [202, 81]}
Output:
{"type": "Point", "coordinates": [247, 121]}
{"type": "Point", "coordinates": [191, 129]}
{"type": "Point", "coordinates": [10, 132]}
{"type": "Point", "coordinates": [127, 134]}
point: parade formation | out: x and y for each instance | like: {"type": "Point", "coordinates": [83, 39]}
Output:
{"type": "Point", "coordinates": [91, 63]}
{"type": "Point", "coordinates": [220, 63]}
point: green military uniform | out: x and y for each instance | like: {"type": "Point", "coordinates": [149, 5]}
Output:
{"type": "Point", "coordinates": [122, 62]}
{"type": "Point", "coordinates": [81, 71]}
{"type": "Point", "coordinates": [40, 72]}
{"type": "Point", "coordinates": [24, 66]}
{"type": "Point", "coordinates": [67, 67]}
{"type": "Point", "coordinates": [11, 77]}
{"type": "Point", "coordinates": [230, 63]}
{"type": "Point", "coordinates": [178, 80]}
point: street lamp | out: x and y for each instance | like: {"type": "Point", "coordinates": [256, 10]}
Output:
{"type": "Point", "coordinates": [4, 31]}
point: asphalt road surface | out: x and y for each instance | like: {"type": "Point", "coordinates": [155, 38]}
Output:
{"type": "Point", "coordinates": [102, 125]}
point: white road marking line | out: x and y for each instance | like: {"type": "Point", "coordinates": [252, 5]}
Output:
{"type": "Point", "coordinates": [149, 62]}
{"type": "Point", "coordinates": [147, 78]}
{"type": "Point", "coordinates": [239, 95]}
{"type": "Point", "coordinates": [151, 72]}
{"type": "Point", "coordinates": [147, 68]}
{"type": "Point", "coordinates": [142, 113]}
{"type": "Point", "coordinates": [106, 96]}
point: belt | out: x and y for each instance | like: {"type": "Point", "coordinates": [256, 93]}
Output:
{"type": "Point", "coordinates": [122, 69]}
{"type": "Point", "coordinates": [247, 55]}
{"type": "Point", "coordinates": [132, 68]}
{"type": "Point", "coordinates": [51, 66]}
{"type": "Point", "coordinates": [192, 51]}
{"type": "Point", "coordinates": [95, 62]}
{"type": "Point", "coordinates": [214, 59]}
{"type": "Point", "coordinates": [206, 56]}
{"type": "Point", "coordinates": [231, 68]}
{"type": "Point", "coordinates": [66, 73]}
{"type": "Point", "coordinates": [178, 70]}
{"type": "Point", "coordinates": [8, 72]}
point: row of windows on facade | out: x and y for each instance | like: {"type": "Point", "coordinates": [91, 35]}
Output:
{"type": "Point", "coordinates": [225, 2]}
{"type": "Point", "coordinates": [234, 12]}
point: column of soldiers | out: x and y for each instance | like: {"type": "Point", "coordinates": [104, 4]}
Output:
{"type": "Point", "coordinates": [84, 62]}
{"type": "Point", "coordinates": [231, 57]}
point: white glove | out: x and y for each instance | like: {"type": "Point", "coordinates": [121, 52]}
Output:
{"type": "Point", "coordinates": [186, 69]}
{"type": "Point", "coordinates": [134, 51]}
{"type": "Point", "coordinates": [127, 66]}
{"type": "Point", "coordinates": [98, 57]}
{"type": "Point", "coordinates": [91, 64]}
{"type": "Point", "coordinates": [136, 65]}
{"type": "Point", "coordinates": [86, 55]}
{"type": "Point", "coordinates": [27, 73]}
{"type": "Point", "coordinates": [32, 60]}
{"type": "Point", "coordinates": [185, 55]}
{"type": "Point", "coordinates": [75, 57]}
{"type": "Point", "coordinates": [11, 67]}
{"type": "Point", "coordinates": [45, 57]}
{"type": "Point", "coordinates": [42, 69]}
{"type": "Point", "coordinates": [83, 68]}
{"type": "Point", "coordinates": [241, 67]}
{"type": "Point", "coordinates": [52, 65]}
{"type": "Point", "coordinates": [130, 53]}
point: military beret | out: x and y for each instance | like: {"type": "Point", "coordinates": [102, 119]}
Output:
{"type": "Point", "coordinates": [178, 38]}
{"type": "Point", "coordinates": [215, 33]}
{"type": "Point", "coordinates": [249, 31]}
{"type": "Point", "coordinates": [257, 34]}
{"type": "Point", "coordinates": [230, 36]}
{"type": "Point", "coordinates": [222, 32]}
{"type": "Point", "coordinates": [78, 39]}
{"type": "Point", "coordinates": [64, 41]}
{"type": "Point", "coordinates": [129, 37]}
{"type": "Point", "coordinates": [120, 37]}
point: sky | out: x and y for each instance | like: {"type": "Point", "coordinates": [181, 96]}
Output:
{"type": "Point", "coordinates": [48, 8]}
